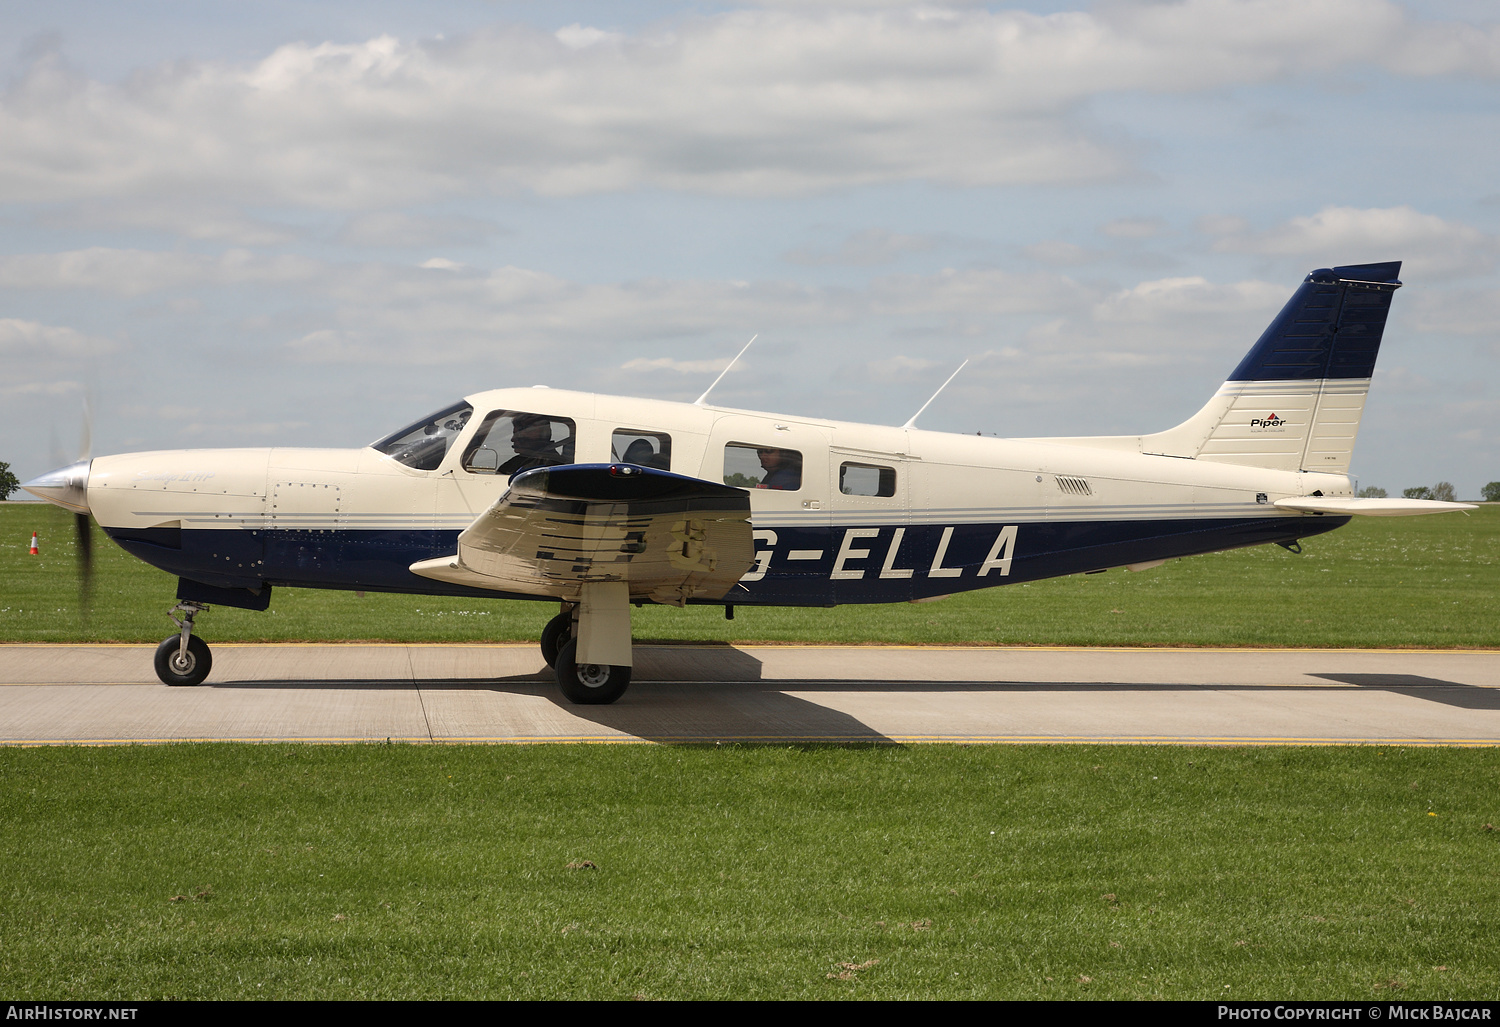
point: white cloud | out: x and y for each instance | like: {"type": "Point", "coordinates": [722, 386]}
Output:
{"type": "Point", "coordinates": [1425, 243]}
{"type": "Point", "coordinates": [31, 341]}
{"type": "Point", "coordinates": [45, 389]}
{"type": "Point", "coordinates": [865, 249]}
{"type": "Point", "coordinates": [654, 364]}
{"type": "Point", "coordinates": [1061, 254]}
{"type": "Point", "coordinates": [328, 346]}
{"type": "Point", "coordinates": [202, 220]}
{"type": "Point", "coordinates": [394, 228]}
{"type": "Point", "coordinates": [1134, 228]}
{"type": "Point", "coordinates": [136, 272]}
{"type": "Point", "coordinates": [1462, 312]}
{"type": "Point", "coordinates": [975, 291]}
{"type": "Point", "coordinates": [898, 368]}
{"type": "Point", "coordinates": [577, 37]}
{"type": "Point", "coordinates": [1045, 332]}
{"type": "Point", "coordinates": [748, 102]}
{"type": "Point", "coordinates": [1158, 300]}
{"type": "Point", "coordinates": [1221, 224]}
{"type": "Point", "coordinates": [376, 312]}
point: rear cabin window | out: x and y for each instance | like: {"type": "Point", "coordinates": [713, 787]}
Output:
{"type": "Point", "coordinates": [749, 466]}
{"type": "Point", "coordinates": [643, 448]}
{"type": "Point", "coordinates": [867, 480]}
{"type": "Point", "coordinates": [424, 444]}
{"type": "Point", "coordinates": [516, 440]}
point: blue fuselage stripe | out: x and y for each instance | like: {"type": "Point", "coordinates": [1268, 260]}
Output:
{"type": "Point", "coordinates": [805, 566]}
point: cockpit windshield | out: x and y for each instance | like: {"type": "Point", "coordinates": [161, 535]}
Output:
{"type": "Point", "coordinates": [424, 444]}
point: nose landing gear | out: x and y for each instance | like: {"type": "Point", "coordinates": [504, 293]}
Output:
{"type": "Point", "coordinates": [184, 659]}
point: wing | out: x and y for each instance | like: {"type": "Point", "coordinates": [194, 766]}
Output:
{"type": "Point", "coordinates": [672, 538]}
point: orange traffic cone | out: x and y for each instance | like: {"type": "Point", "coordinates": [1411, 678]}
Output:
{"type": "Point", "coordinates": [34, 550]}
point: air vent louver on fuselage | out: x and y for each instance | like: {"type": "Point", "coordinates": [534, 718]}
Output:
{"type": "Point", "coordinates": [1073, 486]}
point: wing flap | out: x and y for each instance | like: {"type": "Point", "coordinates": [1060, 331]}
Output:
{"type": "Point", "coordinates": [670, 537]}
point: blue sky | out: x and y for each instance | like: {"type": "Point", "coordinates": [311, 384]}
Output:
{"type": "Point", "coordinates": [293, 224]}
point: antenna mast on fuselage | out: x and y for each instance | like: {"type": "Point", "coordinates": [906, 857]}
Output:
{"type": "Point", "coordinates": [913, 422]}
{"type": "Point", "coordinates": [699, 401]}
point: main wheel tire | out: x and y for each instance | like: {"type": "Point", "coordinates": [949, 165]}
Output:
{"type": "Point", "coordinates": [558, 630]}
{"type": "Point", "coordinates": [589, 684]}
{"type": "Point", "coordinates": [175, 668]}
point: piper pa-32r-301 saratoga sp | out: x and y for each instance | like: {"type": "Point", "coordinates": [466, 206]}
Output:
{"type": "Point", "coordinates": [599, 502]}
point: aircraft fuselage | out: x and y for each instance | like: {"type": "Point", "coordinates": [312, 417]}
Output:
{"type": "Point", "coordinates": [957, 512]}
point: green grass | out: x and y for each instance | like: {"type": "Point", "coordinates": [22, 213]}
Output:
{"type": "Point", "coordinates": [1422, 581]}
{"type": "Point", "coordinates": [232, 871]}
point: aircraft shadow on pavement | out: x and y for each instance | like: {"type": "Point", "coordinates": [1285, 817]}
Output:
{"type": "Point", "coordinates": [715, 678]}
{"type": "Point", "coordinates": [1449, 693]}
{"type": "Point", "coordinates": [723, 712]}
{"type": "Point", "coordinates": [690, 668]}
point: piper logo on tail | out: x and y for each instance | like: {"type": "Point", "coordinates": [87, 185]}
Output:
{"type": "Point", "coordinates": [1268, 423]}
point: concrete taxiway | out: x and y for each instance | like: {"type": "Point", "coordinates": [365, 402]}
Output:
{"type": "Point", "coordinates": [107, 694]}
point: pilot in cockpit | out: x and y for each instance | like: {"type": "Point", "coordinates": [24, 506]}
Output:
{"type": "Point", "coordinates": [531, 438]}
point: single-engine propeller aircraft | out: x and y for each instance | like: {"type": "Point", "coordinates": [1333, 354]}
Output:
{"type": "Point", "coordinates": [599, 502]}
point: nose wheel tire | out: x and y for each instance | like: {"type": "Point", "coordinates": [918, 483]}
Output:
{"type": "Point", "coordinates": [558, 630]}
{"type": "Point", "coordinates": [177, 668]}
{"type": "Point", "coordinates": [589, 684]}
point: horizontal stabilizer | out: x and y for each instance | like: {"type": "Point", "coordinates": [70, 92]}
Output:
{"type": "Point", "coordinates": [1372, 507]}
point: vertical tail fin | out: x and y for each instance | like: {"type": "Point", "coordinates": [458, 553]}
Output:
{"type": "Point", "coordinates": [1295, 401]}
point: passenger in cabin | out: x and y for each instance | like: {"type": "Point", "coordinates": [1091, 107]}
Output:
{"type": "Point", "coordinates": [783, 469]}
{"type": "Point", "coordinates": [640, 453]}
{"type": "Point", "coordinates": [531, 438]}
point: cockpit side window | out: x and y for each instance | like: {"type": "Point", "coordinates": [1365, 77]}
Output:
{"type": "Point", "coordinates": [643, 448]}
{"type": "Point", "coordinates": [515, 440]}
{"type": "Point", "coordinates": [424, 444]}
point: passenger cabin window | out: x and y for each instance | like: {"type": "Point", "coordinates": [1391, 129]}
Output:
{"type": "Point", "coordinates": [643, 448]}
{"type": "Point", "coordinates": [514, 440]}
{"type": "Point", "coordinates": [424, 444]}
{"type": "Point", "coordinates": [867, 480]}
{"type": "Point", "coordinates": [749, 466]}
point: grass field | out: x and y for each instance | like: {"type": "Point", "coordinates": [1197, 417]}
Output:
{"type": "Point", "coordinates": [613, 872]}
{"type": "Point", "coordinates": [229, 871]}
{"type": "Point", "coordinates": [1421, 581]}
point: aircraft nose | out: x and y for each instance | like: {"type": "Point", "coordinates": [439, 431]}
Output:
{"type": "Point", "coordinates": [68, 487]}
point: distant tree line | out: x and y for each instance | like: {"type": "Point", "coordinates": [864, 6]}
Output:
{"type": "Point", "coordinates": [1443, 492]}
{"type": "Point", "coordinates": [8, 482]}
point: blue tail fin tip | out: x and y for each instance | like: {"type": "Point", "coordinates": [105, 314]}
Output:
{"type": "Point", "coordinates": [1385, 273]}
{"type": "Point", "coordinates": [1330, 328]}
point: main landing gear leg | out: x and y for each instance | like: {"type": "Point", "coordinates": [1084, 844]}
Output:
{"type": "Point", "coordinates": [593, 663]}
{"type": "Point", "coordinates": [183, 658]}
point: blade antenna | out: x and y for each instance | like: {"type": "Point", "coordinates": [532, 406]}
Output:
{"type": "Point", "coordinates": [699, 401]}
{"type": "Point", "coordinates": [913, 422]}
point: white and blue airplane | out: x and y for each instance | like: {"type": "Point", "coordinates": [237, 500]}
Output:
{"type": "Point", "coordinates": [599, 503]}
